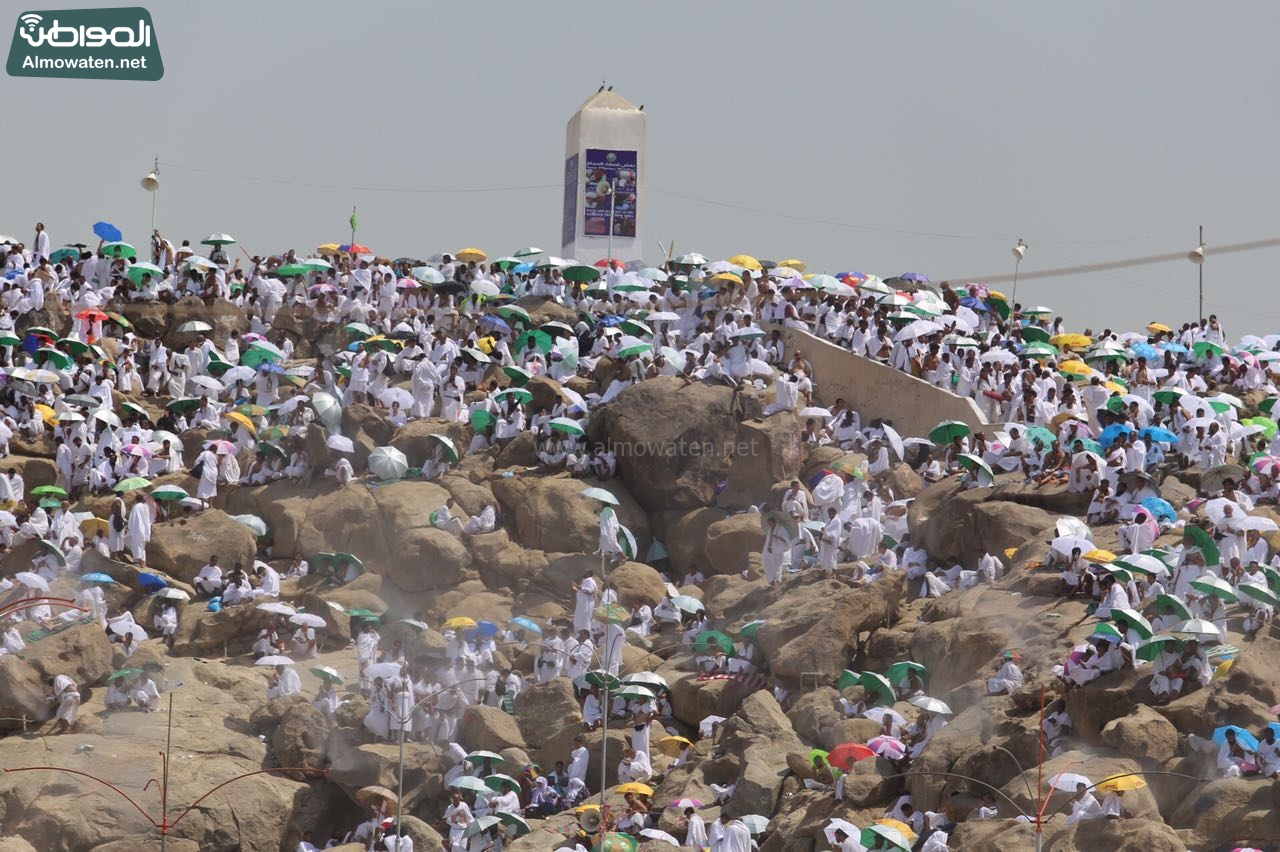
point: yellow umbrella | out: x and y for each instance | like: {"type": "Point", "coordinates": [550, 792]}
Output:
{"type": "Point", "coordinates": [237, 417]}
{"type": "Point", "coordinates": [1224, 669]}
{"type": "Point", "coordinates": [672, 746]}
{"type": "Point", "coordinates": [460, 622]}
{"type": "Point", "coordinates": [998, 296]}
{"type": "Point", "coordinates": [1121, 782]}
{"type": "Point", "coordinates": [89, 526]}
{"type": "Point", "coordinates": [582, 809]}
{"type": "Point", "coordinates": [901, 826]}
{"type": "Point", "coordinates": [636, 788]}
{"type": "Point", "coordinates": [1099, 555]}
{"type": "Point", "coordinates": [746, 261]}
{"type": "Point", "coordinates": [471, 255]}
{"type": "Point", "coordinates": [1115, 387]}
{"type": "Point", "coordinates": [1073, 341]}
{"type": "Point", "coordinates": [726, 278]}
{"type": "Point", "coordinates": [46, 413]}
{"type": "Point", "coordinates": [793, 263]}
{"type": "Point", "coordinates": [1009, 551]}
{"type": "Point", "coordinates": [1158, 327]}
{"type": "Point", "coordinates": [328, 248]}
{"type": "Point", "coordinates": [1076, 368]}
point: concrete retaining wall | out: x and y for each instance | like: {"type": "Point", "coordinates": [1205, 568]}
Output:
{"type": "Point", "coordinates": [877, 390]}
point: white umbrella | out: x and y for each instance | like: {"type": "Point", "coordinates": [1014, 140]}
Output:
{"type": "Point", "coordinates": [849, 829]}
{"type": "Point", "coordinates": [933, 705]}
{"type": "Point", "coordinates": [998, 356]}
{"type": "Point", "coordinates": [253, 522]}
{"type": "Point", "coordinates": [919, 328]}
{"type": "Point", "coordinates": [383, 670]}
{"type": "Point", "coordinates": [704, 727]}
{"type": "Point", "coordinates": [1254, 522]}
{"type": "Point", "coordinates": [172, 594]}
{"type": "Point", "coordinates": [194, 325]}
{"type": "Point", "coordinates": [399, 395]}
{"type": "Point", "coordinates": [124, 628]}
{"type": "Point", "coordinates": [1066, 543]}
{"type": "Point", "coordinates": [878, 714]}
{"type": "Point", "coordinates": [307, 619]}
{"type": "Point", "coordinates": [1073, 526]}
{"type": "Point", "coordinates": [341, 444]}
{"type": "Point", "coordinates": [238, 374]}
{"type": "Point", "coordinates": [277, 608]}
{"type": "Point", "coordinates": [894, 439]}
{"type": "Point", "coordinates": [815, 411]}
{"type": "Point", "coordinates": [207, 382]}
{"type": "Point", "coordinates": [477, 355]}
{"type": "Point", "coordinates": [1198, 628]}
{"type": "Point", "coordinates": [327, 407]}
{"type": "Point", "coordinates": [1068, 781]}
{"type": "Point", "coordinates": [388, 463]}
{"type": "Point", "coordinates": [274, 660]}
{"type": "Point", "coordinates": [32, 580]}
{"type": "Point", "coordinates": [655, 834]}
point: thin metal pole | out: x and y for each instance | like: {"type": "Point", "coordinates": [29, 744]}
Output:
{"type": "Point", "coordinates": [164, 787]}
{"type": "Point", "coordinates": [400, 785]}
{"type": "Point", "coordinates": [1201, 265]}
{"type": "Point", "coordinates": [613, 186]}
{"type": "Point", "coordinates": [155, 245]}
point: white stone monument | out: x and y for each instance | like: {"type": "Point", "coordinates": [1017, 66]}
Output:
{"type": "Point", "coordinates": [604, 180]}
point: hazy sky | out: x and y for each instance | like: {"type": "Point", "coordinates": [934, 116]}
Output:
{"type": "Point", "coordinates": [879, 137]}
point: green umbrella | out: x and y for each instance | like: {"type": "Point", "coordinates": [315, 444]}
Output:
{"type": "Point", "coordinates": [119, 249]}
{"type": "Point", "coordinates": [638, 348]}
{"type": "Point", "coordinates": [364, 614]}
{"type": "Point", "coordinates": [1151, 648]}
{"type": "Point", "coordinates": [512, 821]}
{"type": "Point", "coordinates": [515, 312]}
{"type": "Point", "coordinates": [948, 430]}
{"type": "Point", "coordinates": [123, 673]}
{"type": "Point", "coordinates": [1174, 605]}
{"type": "Point", "coordinates": [59, 358]}
{"type": "Point", "coordinates": [190, 403]}
{"type": "Point", "coordinates": [704, 642]}
{"type": "Point", "coordinates": [77, 346]}
{"type": "Point", "coordinates": [480, 825]}
{"type": "Point", "coordinates": [897, 672]}
{"type": "Point", "coordinates": [327, 674]}
{"type": "Point", "coordinates": [445, 442]}
{"type": "Point", "coordinates": [848, 678]}
{"type": "Point", "coordinates": [519, 375]}
{"type": "Point", "coordinates": [581, 273]}
{"type": "Point", "coordinates": [1268, 425]}
{"type": "Point", "coordinates": [520, 394]}
{"type": "Point", "coordinates": [358, 329]}
{"type": "Point", "coordinates": [1040, 436]}
{"type": "Point", "coordinates": [64, 254]}
{"type": "Point", "coordinates": [751, 628]}
{"type": "Point", "coordinates": [535, 339]}
{"type": "Point", "coordinates": [1215, 586]}
{"type": "Point", "coordinates": [1168, 396]}
{"type": "Point", "coordinates": [470, 783]}
{"type": "Point", "coordinates": [1132, 620]}
{"type": "Point", "coordinates": [480, 756]}
{"type": "Point", "coordinates": [54, 551]}
{"type": "Point", "coordinates": [481, 419]}
{"type": "Point", "coordinates": [637, 328]}
{"type": "Point", "coordinates": [1204, 348]}
{"type": "Point", "coordinates": [613, 613]}
{"type": "Point", "coordinates": [603, 680]}
{"type": "Point", "coordinates": [567, 425]}
{"type": "Point", "coordinates": [133, 483]}
{"type": "Point", "coordinates": [1199, 537]}
{"type": "Point", "coordinates": [49, 489]}
{"type": "Point", "coordinates": [1034, 334]}
{"type": "Point", "coordinates": [877, 836]}
{"type": "Point", "coordinates": [878, 683]}
{"type": "Point", "coordinates": [617, 842]}
{"type": "Point", "coordinates": [1041, 350]}
{"type": "Point", "coordinates": [292, 269]}
{"type": "Point", "coordinates": [1260, 594]}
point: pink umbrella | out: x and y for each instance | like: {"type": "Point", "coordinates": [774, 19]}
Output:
{"type": "Point", "coordinates": [221, 447]}
{"type": "Point", "coordinates": [138, 450]}
{"type": "Point", "coordinates": [887, 747]}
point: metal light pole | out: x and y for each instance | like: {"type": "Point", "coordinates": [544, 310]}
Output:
{"type": "Point", "coordinates": [1196, 256]}
{"type": "Point", "coordinates": [613, 195]}
{"type": "Point", "coordinates": [151, 183]}
{"type": "Point", "coordinates": [1018, 252]}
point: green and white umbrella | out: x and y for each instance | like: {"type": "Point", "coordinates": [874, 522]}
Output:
{"type": "Point", "coordinates": [388, 463]}
{"type": "Point", "coordinates": [137, 270]}
{"type": "Point", "coordinates": [218, 240]}
{"type": "Point", "coordinates": [119, 249]}
{"type": "Point", "coordinates": [567, 425]}
{"type": "Point", "coordinates": [448, 445]}
{"type": "Point", "coordinates": [519, 394]}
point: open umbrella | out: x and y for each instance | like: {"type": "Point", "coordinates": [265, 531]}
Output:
{"type": "Point", "coordinates": [933, 705]}
{"type": "Point", "coordinates": [306, 619]}
{"type": "Point", "coordinates": [372, 795]}
{"type": "Point", "coordinates": [388, 463]}
{"type": "Point", "coordinates": [845, 755]}
{"type": "Point", "coordinates": [32, 580]}
{"type": "Point", "coordinates": [274, 660]}
{"type": "Point", "coordinates": [327, 674]}
{"type": "Point", "coordinates": [480, 825]}
{"type": "Point", "coordinates": [1198, 628]}
{"type": "Point", "coordinates": [480, 756]}
{"type": "Point", "coordinates": [708, 639]}
{"type": "Point", "coordinates": [445, 442]}
{"type": "Point", "coordinates": [470, 783]}
{"type": "Point", "coordinates": [172, 594]}
{"type": "Point", "coordinates": [1151, 648]}
{"type": "Point", "coordinates": [1245, 738]}
{"type": "Point", "coordinates": [601, 495]}
{"type": "Point", "coordinates": [877, 683]}
{"type": "Point", "coordinates": [612, 613]}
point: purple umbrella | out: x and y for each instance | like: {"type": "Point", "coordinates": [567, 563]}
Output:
{"type": "Point", "coordinates": [915, 277]}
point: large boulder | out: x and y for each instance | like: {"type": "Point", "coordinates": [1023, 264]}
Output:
{"type": "Point", "coordinates": [671, 439]}
{"type": "Point", "coordinates": [82, 652]}
{"type": "Point", "coordinates": [730, 542]}
{"type": "Point", "coordinates": [414, 438]}
{"type": "Point", "coordinates": [761, 735]}
{"type": "Point", "coordinates": [490, 729]}
{"type": "Point", "coordinates": [531, 501]}
{"type": "Point", "coordinates": [685, 535]}
{"type": "Point", "coordinates": [182, 547]}
{"type": "Point", "coordinates": [953, 523]}
{"type": "Point", "coordinates": [1144, 733]}
{"type": "Point", "coordinates": [763, 452]}
{"type": "Point", "coordinates": [543, 708]}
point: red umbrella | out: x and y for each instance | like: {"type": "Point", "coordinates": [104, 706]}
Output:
{"type": "Point", "coordinates": [605, 263]}
{"type": "Point", "coordinates": [92, 314]}
{"type": "Point", "coordinates": [356, 248]}
{"type": "Point", "coordinates": [844, 756]}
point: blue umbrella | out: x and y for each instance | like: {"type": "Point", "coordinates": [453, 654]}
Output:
{"type": "Point", "coordinates": [497, 322]}
{"type": "Point", "coordinates": [1243, 737]}
{"type": "Point", "coordinates": [271, 367]}
{"type": "Point", "coordinates": [1162, 509]}
{"type": "Point", "coordinates": [1176, 348]}
{"type": "Point", "coordinates": [152, 583]}
{"type": "Point", "coordinates": [97, 577]}
{"type": "Point", "coordinates": [1145, 350]}
{"type": "Point", "coordinates": [973, 303]}
{"type": "Point", "coordinates": [487, 628]}
{"type": "Point", "coordinates": [107, 232]}
{"type": "Point", "coordinates": [522, 269]}
{"type": "Point", "coordinates": [527, 624]}
{"type": "Point", "coordinates": [1112, 432]}
{"type": "Point", "coordinates": [914, 276]}
{"type": "Point", "coordinates": [1275, 726]}
{"type": "Point", "coordinates": [1155, 433]}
